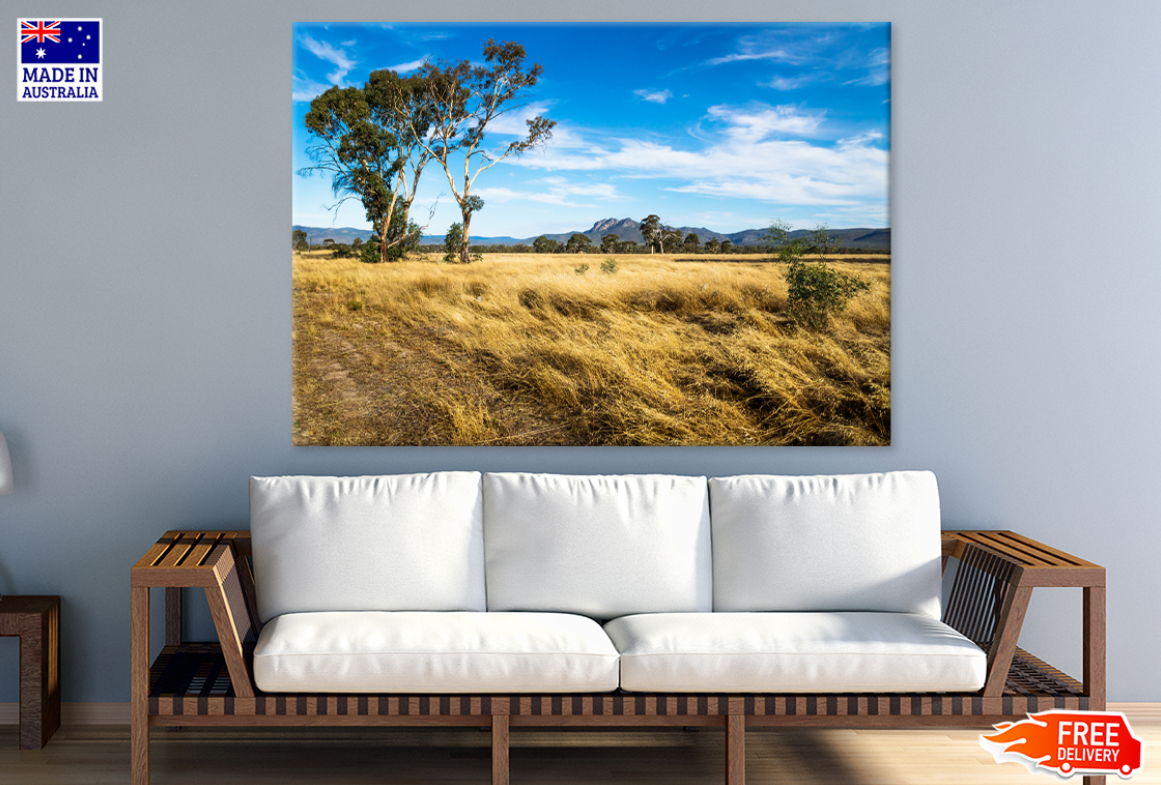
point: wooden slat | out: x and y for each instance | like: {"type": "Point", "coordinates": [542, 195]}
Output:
{"type": "Point", "coordinates": [178, 558]}
{"type": "Point", "coordinates": [1007, 635]}
{"type": "Point", "coordinates": [1038, 552]}
{"type": "Point", "coordinates": [1045, 566]}
{"type": "Point", "coordinates": [183, 547]}
{"type": "Point", "coordinates": [156, 551]}
{"type": "Point", "coordinates": [246, 578]}
{"type": "Point", "coordinates": [225, 622]}
{"type": "Point", "coordinates": [982, 582]}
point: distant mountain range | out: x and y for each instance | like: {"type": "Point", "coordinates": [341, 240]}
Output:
{"type": "Point", "coordinates": [628, 229]}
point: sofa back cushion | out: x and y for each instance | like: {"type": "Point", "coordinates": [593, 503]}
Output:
{"type": "Point", "coordinates": [859, 542]}
{"type": "Point", "coordinates": [409, 542]}
{"type": "Point", "coordinates": [600, 546]}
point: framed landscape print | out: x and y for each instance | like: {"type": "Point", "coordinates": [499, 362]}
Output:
{"type": "Point", "coordinates": [591, 234]}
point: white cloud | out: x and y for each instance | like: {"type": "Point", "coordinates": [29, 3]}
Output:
{"type": "Point", "coordinates": [403, 68]}
{"type": "Point", "coordinates": [756, 122]}
{"type": "Point", "coordinates": [560, 192]}
{"type": "Point", "coordinates": [781, 55]}
{"type": "Point", "coordinates": [515, 121]}
{"type": "Point", "coordinates": [338, 57]}
{"type": "Point", "coordinates": [599, 190]}
{"type": "Point", "coordinates": [304, 89]}
{"type": "Point", "coordinates": [656, 97]}
{"type": "Point", "coordinates": [862, 139]}
{"type": "Point", "coordinates": [879, 69]}
{"type": "Point", "coordinates": [787, 83]}
{"type": "Point", "coordinates": [745, 159]}
{"type": "Point", "coordinates": [498, 194]}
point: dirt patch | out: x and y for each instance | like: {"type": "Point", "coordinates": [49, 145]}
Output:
{"type": "Point", "coordinates": [362, 380]}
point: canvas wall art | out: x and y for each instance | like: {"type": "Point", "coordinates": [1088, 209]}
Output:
{"type": "Point", "coordinates": [591, 234]}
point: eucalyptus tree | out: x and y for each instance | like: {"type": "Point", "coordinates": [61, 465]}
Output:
{"type": "Point", "coordinates": [651, 230]}
{"type": "Point", "coordinates": [672, 238]}
{"type": "Point", "coordinates": [359, 155]}
{"type": "Point", "coordinates": [399, 104]}
{"type": "Point", "coordinates": [463, 100]}
{"type": "Point", "coordinates": [544, 244]}
{"type": "Point", "coordinates": [610, 243]}
{"type": "Point", "coordinates": [367, 140]}
{"type": "Point", "coordinates": [578, 243]}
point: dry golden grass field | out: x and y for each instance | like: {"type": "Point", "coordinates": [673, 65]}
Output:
{"type": "Point", "coordinates": [521, 349]}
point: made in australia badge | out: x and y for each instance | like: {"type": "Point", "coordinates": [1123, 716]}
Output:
{"type": "Point", "coordinates": [59, 60]}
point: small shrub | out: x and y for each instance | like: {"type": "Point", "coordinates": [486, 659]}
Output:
{"type": "Point", "coordinates": [584, 268]}
{"type": "Point", "coordinates": [355, 305]}
{"type": "Point", "coordinates": [452, 242]}
{"type": "Point", "coordinates": [816, 291]}
{"type": "Point", "coordinates": [370, 251]}
{"type": "Point", "coordinates": [609, 266]}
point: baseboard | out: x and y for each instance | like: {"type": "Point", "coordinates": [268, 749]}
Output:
{"type": "Point", "coordinates": [118, 713]}
{"type": "Point", "coordinates": [75, 713]}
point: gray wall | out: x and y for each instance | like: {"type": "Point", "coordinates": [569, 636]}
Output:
{"type": "Point", "coordinates": [145, 298]}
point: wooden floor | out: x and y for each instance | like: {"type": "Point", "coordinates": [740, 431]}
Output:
{"type": "Point", "coordinates": [93, 754]}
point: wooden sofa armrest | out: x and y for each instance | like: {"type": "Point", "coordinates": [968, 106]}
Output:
{"type": "Point", "coordinates": [216, 561]}
{"type": "Point", "coordinates": [993, 584]}
{"type": "Point", "coordinates": [987, 605]}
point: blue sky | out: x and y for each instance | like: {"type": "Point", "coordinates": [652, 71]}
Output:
{"type": "Point", "coordinates": [728, 127]}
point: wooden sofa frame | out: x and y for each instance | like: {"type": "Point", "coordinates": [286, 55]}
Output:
{"type": "Point", "coordinates": [211, 684]}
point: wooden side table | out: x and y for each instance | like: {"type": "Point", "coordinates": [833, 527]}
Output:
{"type": "Point", "coordinates": [36, 621]}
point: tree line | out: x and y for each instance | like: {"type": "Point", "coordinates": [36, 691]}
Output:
{"type": "Point", "coordinates": [578, 244]}
{"type": "Point", "coordinates": [369, 251]}
{"type": "Point", "coordinates": [374, 142]}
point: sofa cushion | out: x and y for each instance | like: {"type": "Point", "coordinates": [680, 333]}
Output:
{"type": "Point", "coordinates": [434, 653]}
{"type": "Point", "coordinates": [601, 546]}
{"type": "Point", "coordinates": [402, 542]}
{"type": "Point", "coordinates": [794, 652]}
{"type": "Point", "coordinates": [860, 542]}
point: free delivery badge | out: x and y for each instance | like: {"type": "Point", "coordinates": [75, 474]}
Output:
{"type": "Point", "coordinates": [59, 60]}
{"type": "Point", "coordinates": [1065, 743]}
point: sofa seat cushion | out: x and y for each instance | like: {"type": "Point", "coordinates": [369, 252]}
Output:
{"type": "Point", "coordinates": [794, 652]}
{"type": "Point", "coordinates": [426, 652]}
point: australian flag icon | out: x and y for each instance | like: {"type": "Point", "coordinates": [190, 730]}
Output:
{"type": "Point", "coordinates": [60, 42]}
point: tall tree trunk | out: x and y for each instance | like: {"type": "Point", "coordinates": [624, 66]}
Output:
{"type": "Point", "coordinates": [465, 243]}
{"type": "Point", "coordinates": [384, 227]}
{"type": "Point", "coordinates": [384, 231]}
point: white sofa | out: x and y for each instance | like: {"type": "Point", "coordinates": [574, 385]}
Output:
{"type": "Point", "coordinates": [457, 582]}
{"type": "Point", "coordinates": [516, 599]}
